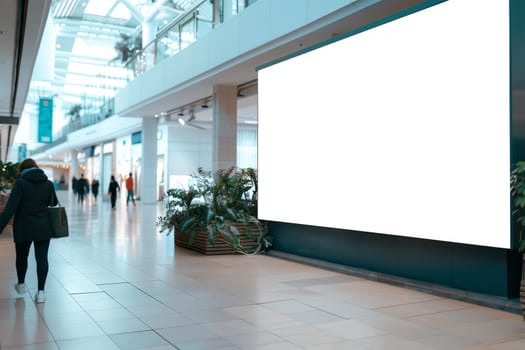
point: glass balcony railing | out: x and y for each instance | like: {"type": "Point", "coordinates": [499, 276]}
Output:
{"type": "Point", "coordinates": [199, 19]}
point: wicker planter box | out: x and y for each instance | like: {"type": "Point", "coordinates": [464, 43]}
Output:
{"type": "Point", "coordinates": [221, 246]}
{"type": "Point", "coordinates": [3, 201]}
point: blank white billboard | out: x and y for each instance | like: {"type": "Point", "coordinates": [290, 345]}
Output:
{"type": "Point", "coordinates": [402, 129]}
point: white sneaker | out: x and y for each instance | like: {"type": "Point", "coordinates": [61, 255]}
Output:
{"type": "Point", "coordinates": [20, 288]}
{"type": "Point", "coordinates": [40, 297]}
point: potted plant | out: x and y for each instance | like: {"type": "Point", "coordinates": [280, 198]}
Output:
{"type": "Point", "coordinates": [517, 186]}
{"type": "Point", "coordinates": [74, 111]}
{"type": "Point", "coordinates": [217, 214]}
{"type": "Point", "coordinates": [127, 47]}
{"type": "Point", "coordinates": [8, 176]}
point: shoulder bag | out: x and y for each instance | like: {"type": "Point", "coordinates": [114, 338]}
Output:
{"type": "Point", "coordinates": [58, 220]}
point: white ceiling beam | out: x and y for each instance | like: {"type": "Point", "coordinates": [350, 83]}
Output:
{"type": "Point", "coordinates": [154, 10]}
{"type": "Point", "coordinates": [134, 10]}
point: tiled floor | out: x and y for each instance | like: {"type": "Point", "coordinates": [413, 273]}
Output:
{"type": "Point", "coordinates": [117, 283]}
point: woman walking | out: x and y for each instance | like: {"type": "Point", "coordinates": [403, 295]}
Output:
{"type": "Point", "coordinates": [32, 193]}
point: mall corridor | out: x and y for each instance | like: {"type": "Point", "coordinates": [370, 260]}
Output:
{"type": "Point", "coordinates": [117, 283]}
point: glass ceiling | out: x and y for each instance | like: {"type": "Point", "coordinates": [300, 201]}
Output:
{"type": "Point", "coordinates": [77, 62]}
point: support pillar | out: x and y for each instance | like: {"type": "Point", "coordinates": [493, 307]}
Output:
{"type": "Point", "coordinates": [224, 146]}
{"type": "Point", "coordinates": [74, 167]}
{"type": "Point", "coordinates": [148, 178]}
{"type": "Point", "coordinates": [170, 156]}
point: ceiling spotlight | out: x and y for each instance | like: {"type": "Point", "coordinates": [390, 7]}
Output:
{"type": "Point", "coordinates": [181, 113]}
{"type": "Point", "coordinates": [204, 104]}
{"type": "Point", "coordinates": [192, 116]}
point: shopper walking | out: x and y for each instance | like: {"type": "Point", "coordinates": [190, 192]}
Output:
{"type": "Point", "coordinates": [112, 191]}
{"type": "Point", "coordinates": [129, 188]}
{"type": "Point", "coordinates": [82, 188]}
{"type": "Point", "coordinates": [32, 193]}
{"type": "Point", "coordinates": [94, 188]}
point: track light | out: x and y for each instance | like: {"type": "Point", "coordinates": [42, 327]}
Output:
{"type": "Point", "coordinates": [181, 121]}
{"type": "Point", "coordinates": [192, 116]}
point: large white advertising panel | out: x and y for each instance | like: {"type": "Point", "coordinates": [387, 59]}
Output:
{"type": "Point", "coordinates": [402, 129]}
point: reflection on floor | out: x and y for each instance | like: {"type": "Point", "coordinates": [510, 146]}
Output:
{"type": "Point", "coordinates": [117, 283]}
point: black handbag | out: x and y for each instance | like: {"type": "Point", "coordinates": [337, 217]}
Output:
{"type": "Point", "coordinates": [58, 220]}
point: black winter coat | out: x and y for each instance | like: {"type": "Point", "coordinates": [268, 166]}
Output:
{"type": "Point", "coordinates": [29, 198]}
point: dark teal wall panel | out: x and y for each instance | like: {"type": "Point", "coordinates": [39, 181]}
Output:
{"type": "Point", "coordinates": [478, 269]}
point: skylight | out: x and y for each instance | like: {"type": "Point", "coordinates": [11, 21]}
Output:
{"type": "Point", "coordinates": [121, 11]}
{"type": "Point", "coordinates": [99, 7]}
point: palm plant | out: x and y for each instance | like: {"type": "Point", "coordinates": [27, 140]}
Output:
{"type": "Point", "coordinates": [218, 205]}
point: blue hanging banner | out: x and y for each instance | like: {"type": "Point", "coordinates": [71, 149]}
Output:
{"type": "Point", "coordinates": [22, 151]}
{"type": "Point", "coordinates": [45, 120]}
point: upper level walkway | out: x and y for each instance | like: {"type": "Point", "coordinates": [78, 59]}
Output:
{"type": "Point", "coordinates": [117, 283]}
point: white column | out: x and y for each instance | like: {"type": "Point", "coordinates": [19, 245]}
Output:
{"type": "Point", "coordinates": [148, 178]}
{"type": "Point", "coordinates": [74, 167]}
{"type": "Point", "coordinates": [224, 127]}
{"type": "Point", "coordinates": [148, 35]}
{"type": "Point", "coordinates": [170, 156]}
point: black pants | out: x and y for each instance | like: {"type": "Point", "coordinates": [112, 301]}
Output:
{"type": "Point", "coordinates": [42, 266]}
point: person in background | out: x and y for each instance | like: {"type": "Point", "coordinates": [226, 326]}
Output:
{"type": "Point", "coordinates": [82, 188]}
{"type": "Point", "coordinates": [112, 191]}
{"type": "Point", "coordinates": [74, 182]}
{"type": "Point", "coordinates": [129, 188]}
{"type": "Point", "coordinates": [94, 188]}
{"type": "Point", "coordinates": [32, 193]}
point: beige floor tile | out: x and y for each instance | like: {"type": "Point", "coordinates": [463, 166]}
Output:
{"type": "Point", "coordinates": [314, 317]}
{"type": "Point", "coordinates": [424, 308]}
{"type": "Point", "coordinates": [231, 327]}
{"type": "Point", "coordinates": [123, 326]}
{"type": "Point", "coordinates": [28, 334]}
{"type": "Point", "coordinates": [38, 346]}
{"type": "Point", "coordinates": [447, 341]}
{"type": "Point", "coordinates": [250, 340]}
{"type": "Point", "coordinates": [510, 345]}
{"type": "Point", "coordinates": [207, 344]}
{"type": "Point", "coordinates": [140, 340]}
{"type": "Point", "coordinates": [72, 330]}
{"type": "Point", "coordinates": [167, 320]}
{"type": "Point", "coordinates": [295, 330]}
{"type": "Point", "coordinates": [313, 338]}
{"type": "Point", "coordinates": [186, 334]}
{"type": "Point", "coordinates": [204, 316]}
{"type": "Point", "coordinates": [277, 346]}
{"type": "Point", "coordinates": [91, 343]}
{"type": "Point", "coordinates": [110, 314]}
{"type": "Point", "coordinates": [401, 327]}
{"type": "Point", "coordinates": [351, 329]}
{"type": "Point", "coordinates": [344, 345]}
{"type": "Point", "coordinates": [346, 310]}
{"type": "Point", "coordinates": [387, 342]}
{"type": "Point", "coordinates": [287, 307]}
{"type": "Point", "coordinates": [451, 318]}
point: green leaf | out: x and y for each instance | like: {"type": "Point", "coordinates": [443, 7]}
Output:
{"type": "Point", "coordinates": [188, 223]}
{"type": "Point", "coordinates": [521, 247]}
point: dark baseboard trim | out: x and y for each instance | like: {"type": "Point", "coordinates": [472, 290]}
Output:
{"type": "Point", "coordinates": [509, 305]}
